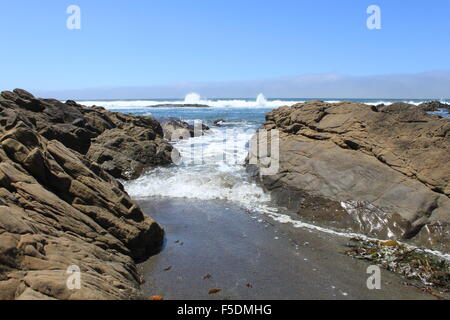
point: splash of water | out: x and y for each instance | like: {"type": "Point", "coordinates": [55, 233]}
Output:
{"type": "Point", "coordinates": [261, 100]}
{"type": "Point", "coordinates": [218, 175]}
{"type": "Point", "coordinates": [192, 98]}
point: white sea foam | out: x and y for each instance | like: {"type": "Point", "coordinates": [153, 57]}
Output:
{"type": "Point", "coordinates": [194, 185]}
{"type": "Point", "coordinates": [212, 169]}
{"type": "Point", "coordinates": [389, 102]}
{"type": "Point", "coordinates": [120, 104]}
{"type": "Point", "coordinates": [286, 219]}
{"type": "Point", "coordinates": [193, 98]}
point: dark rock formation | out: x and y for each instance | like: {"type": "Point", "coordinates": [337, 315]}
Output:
{"type": "Point", "coordinates": [219, 122]}
{"type": "Point", "coordinates": [387, 167]}
{"type": "Point", "coordinates": [59, 209]}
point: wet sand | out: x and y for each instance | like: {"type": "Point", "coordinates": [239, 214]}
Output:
{"type": "Point", "coordinates": [217, 245]}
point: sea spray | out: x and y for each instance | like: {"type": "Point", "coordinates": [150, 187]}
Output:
{"type": "Point", "coordinates": [192, 98]}
{"type": "Point", "coordinates": [261, 100]}
{"type": "Point", "coordinates": [219, 175]}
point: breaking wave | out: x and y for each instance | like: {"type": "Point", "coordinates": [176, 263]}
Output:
{"type": "Point", "coordinates": [212, 169]}
{"type": "Point", "coordinates": [259, 102]}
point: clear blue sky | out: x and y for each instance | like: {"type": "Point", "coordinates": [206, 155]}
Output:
{"type": "Point", "coordinates": [151, 42]}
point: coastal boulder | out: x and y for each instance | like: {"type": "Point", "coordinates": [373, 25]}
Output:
{"type": "Point", "coordinates": [175, 130]}
{"type": "Point", "coordinates": [219, 122]}
{"type": "Point", "coordinates": [62, 214]}
{"type": "Point", "coordinates": [128, 144]}
{"type": "Point", "coordinates": [379, 171]}
{"type": "Point", "coordinates": [123, 145]}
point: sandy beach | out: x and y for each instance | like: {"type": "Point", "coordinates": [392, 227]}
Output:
{"type": "Point", "coordinates": [216, 245]}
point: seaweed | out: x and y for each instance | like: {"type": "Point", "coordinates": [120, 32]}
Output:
{"type": "Point", "coordinates": [413, 263]}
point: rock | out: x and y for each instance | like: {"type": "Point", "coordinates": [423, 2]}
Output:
{"type": "Point", "coordinates": [60, 211]}
{"type": "Point", "coordinates": [24, 94]}
{"type": "Point", "coordinates": [219, 122]}
{"type": "Point", "coordinates": [8, 95]}
{"type": "Point", "coordinates": [95, 133]}
{"type": "Point", "coordinates": [382, 172]}
{"type": "Point", "coordinates": [433, 106]}
{"type": "Point", "coordinates": [175, 130]}
{"type": "Point", "coordinates": [80, 122]}
{"type": "Point", "coordinates": [132, 145]}
{"type": "Point", "coordinates": [22, 99]}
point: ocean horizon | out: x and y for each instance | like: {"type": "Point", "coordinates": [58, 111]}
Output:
{"type": "Point", "coordinates": [260, 101]}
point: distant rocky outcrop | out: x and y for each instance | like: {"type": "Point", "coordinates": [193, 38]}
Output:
{"type": "Point", "coordinates": [178, 105]}
{"type": "Point", "coordinates": [61, 210]}
{"type": "Point", "coordinates": [219, 122]}
{"type": "Point", "coordinates": [175, 130]}
{"type": "Point", "coordinates": [380, 171]}
{"type": "Point", "coordinates": [434, 106]}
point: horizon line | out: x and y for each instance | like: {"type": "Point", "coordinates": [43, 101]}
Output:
{"type": "Point", "coordinates": [254, 98]}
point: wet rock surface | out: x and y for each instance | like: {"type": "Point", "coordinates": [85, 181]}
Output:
{"type": "Point", "coordinates": [59, 208]}
{"type": "Point", "coordinates": [219, 122]}
{"type": "Point", "coordinates": [386, 169]}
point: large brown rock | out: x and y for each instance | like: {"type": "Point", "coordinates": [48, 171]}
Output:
{"type": "Point", "coordinates": [128, 144]}
{"type": "Point", "coordinates": [387, 167]}
{"type": "Point", "coordinates": [123, 145]}
{"type": "Point", "coordinates": [175, 130]}
{"type": "Point", "coordinates": [60, 209]}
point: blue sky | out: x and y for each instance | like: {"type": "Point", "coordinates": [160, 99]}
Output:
{"type": "Point", "coordinates": [161, 42]}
